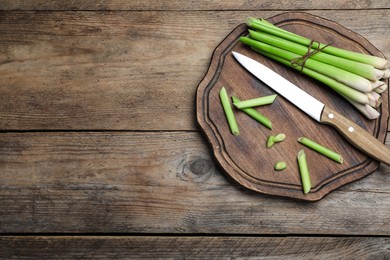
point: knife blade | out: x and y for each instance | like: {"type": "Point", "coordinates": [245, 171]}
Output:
{"type": "Point", "coordinates": [356, 135]}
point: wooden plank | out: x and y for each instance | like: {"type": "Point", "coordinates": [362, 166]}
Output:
{"type": "Point", "coordinates": [121, 70]}
{"type": "Point", "coordinates": [161, 183]}
{"type": "Point", "coordinates": [44, 247]}
{"type": "Point", "coordinates": [189, 5]}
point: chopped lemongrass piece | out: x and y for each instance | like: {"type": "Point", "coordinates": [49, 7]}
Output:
{"type": "Point", "coordinates": [355, 81]}
{"type": "Point", "coordinates": [228, 111]}
{"type": "Point", "coordinates": [270, 141]}
{"type": "Point", "coordinates": [377, 62]}
{"type": "Point", "coordinates": [321, 149]}
{"type": "Point", "coordinates": [340, 88]}
{"type": "Point", "coordinates": [365, 70]}
{"type": "Point", "coordinates": [304, 171]}
{"type": "Point", "coordinates": [266, 100]}
{"type": "Point", "coordinates": [279, 137]}
{"type": "Point", "coordinates": [255, 115]}
{"type": "Point", "coordinates": [280, 166]}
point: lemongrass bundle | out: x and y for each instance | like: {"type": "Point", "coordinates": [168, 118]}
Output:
{"type": "Point", "coordinates": [355, 76]}
{"type": "Point", "coordinates": [260, 24]}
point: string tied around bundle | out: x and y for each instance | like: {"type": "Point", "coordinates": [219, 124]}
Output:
{"type": "Point", "coordinates": [301, 61]}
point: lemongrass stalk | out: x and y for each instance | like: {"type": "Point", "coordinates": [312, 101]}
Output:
{"type": "Point", "coordinates": [381, 88]}
{"type": "Point", "coordinates": [257, 23]}
{"type": "Point", "coordinates": [261, 101]}
{"type": "Point", "coordinates": [321, 149]}
{"type": "Point", "coordinates": [377, 62]}
{"type": "Point", "coordinates": [304, 171]}
{"type": "Point", "coordinates": [365, 70]}
{"type": "Point", "coordinates": [374, 99]}
{"type": "Point", "coordinates": [377, 84]}
{"type": "Point", "coordinates": [228, 111]}
{"type": "Point", "coordinates": [368, 111]}
{"type": "Point", "coordinates": [355, 81]}
{"type": "Point", "coordinates": [255, 114]}
{"type": "Point", "coordinates": [340, 88]}
{"type": "Point", "coordinates": [386, 73]}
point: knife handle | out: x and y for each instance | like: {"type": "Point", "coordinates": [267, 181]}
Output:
{"type": "Point", "coordinates": [356, 135]}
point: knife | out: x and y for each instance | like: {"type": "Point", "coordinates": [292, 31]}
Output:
{"type": "Point", "coordinates": [356, 135]}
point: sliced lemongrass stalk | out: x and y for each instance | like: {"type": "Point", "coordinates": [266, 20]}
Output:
{"type": "Point", "coordinates": [228, 111]}
{"type": "Point", "coordinates": [355, 81]}
{"type": "Point", "coordinates": [280, 166]}
{"type": "Point", "coordinates": [321, 149]}
{"type": "Point", "coordinates": [340, 88]}
{"type": "Point", "coordinates": [374, 99]}
{"type": "Point", "coordinates": [377, 62]}
{"type": "Point", "coordinates": [304, 171]}
{"type": "Point", "coordinates": [279, 137]}
{"type": "Point", "coordinates": [270, 141]}
{"type": "Point", "coordinates": [365, 70]}
{"type": "Point", "coordinates": [255, 114]}
{"type": "Point", "coordinates": [368, 111]}
{"type": "Point", "coordinates": [266, 100]}
{"type": "Point", "coordinates": [380, 89]}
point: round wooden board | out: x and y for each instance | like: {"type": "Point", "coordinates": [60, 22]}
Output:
{"type": "Point", "coordinates": [245, 157]}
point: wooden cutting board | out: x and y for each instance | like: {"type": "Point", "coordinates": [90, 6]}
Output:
{"type": "Point", "coordinates": [245, 157]}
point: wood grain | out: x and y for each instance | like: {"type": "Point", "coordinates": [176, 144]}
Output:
{"type": "Point", "coordinates": [119, 182]}
{"type": "Point", "coordinates": [176, 5]}
{"type": "Point", "coordinates": [138, 247]}
{"type": "Point", "coordinates": [122, 70]}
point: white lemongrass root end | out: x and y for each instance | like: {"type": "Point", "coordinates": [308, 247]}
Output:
{"type": "Point", "coordinates": [374, 99]}
{"type": "Point", "coordinates": [382, 74]}
{"type": "Point", "coordinates": [380, 89]}
{"type": "Point", "coordinates": [368, 111]}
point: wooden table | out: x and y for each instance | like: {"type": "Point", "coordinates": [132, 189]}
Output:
{"type": "Point", "coordinates": [101, 156]}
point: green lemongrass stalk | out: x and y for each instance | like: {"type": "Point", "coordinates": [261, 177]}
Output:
{"type": "Point", "coordinates": [377, 62]}
{"type": "Point", "coordinates": [355, 81]}
{"type": "Point", "coordinates": [264, 25]}
{"type": "Point", "coordinates": [266, 100]}
{"type": "Point", "coordinates": [254, 114]}
{"type": "Point", "coordinates": [381, 88]}
{"type": "Point", "coordinates": [321, 149]}
{"type": "Point", "coordinates": [304, 171]}
{"type": "Point", "coordinates": [340, 88]}
{"type": "Point", "coordinates": [358, 68]}
{"type": "Point", "coordinates": [228, 111]}
{"type": "Point", "coordinates": [374, 99]}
